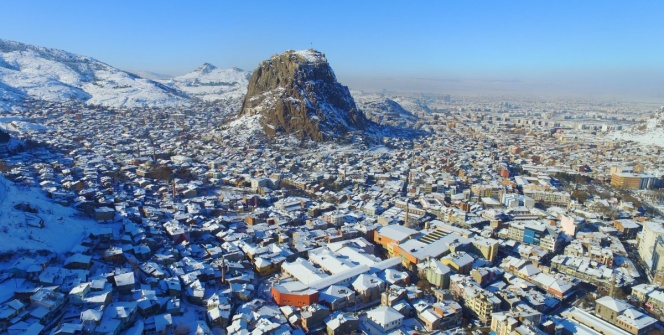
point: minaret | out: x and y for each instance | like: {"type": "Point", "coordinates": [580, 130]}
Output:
{"type": "Point", "coordinates": [223, 269]}
{"type": "Point", "coordinates": [407, 210]}
{"type": "Point", "coordinates": [173, 185]}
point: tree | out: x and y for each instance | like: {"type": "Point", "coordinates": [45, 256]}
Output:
{"type": "Point", "coordinates": [577, 179]}
{"type": "Point", "coordinates": [424, 285]}
{"type": "Point", "coordinates": [627, 197]}
{"type": "Point", "coordinates": [580, 195]}
{"type": "Point", "coordinates": [161, 172]}
{"type": "Point", "coordinates": [184, 173]}
{"type": "Point", "coordinates": [182, 329]}
{"type": "Point", "coordinates": [4, 167]}
{"type": "Point", "coordinates": [609, 212]}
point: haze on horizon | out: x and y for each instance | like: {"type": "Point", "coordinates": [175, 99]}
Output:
{"type": "Point", "coordinates": [580, 48]}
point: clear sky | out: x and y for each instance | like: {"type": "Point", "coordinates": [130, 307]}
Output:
{"type": "Point", "coordinates": [368, 43]}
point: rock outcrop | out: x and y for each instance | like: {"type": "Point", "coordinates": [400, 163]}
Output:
{"type": "Point", "coordinates": [297, 93]}
{"type": "Point", "coordinates": [4, 137]}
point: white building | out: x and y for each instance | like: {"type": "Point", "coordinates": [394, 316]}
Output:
{"type": "Point", "coordinates": [385, 319]}
{"type": "Point", "coordinates": [647, 243]}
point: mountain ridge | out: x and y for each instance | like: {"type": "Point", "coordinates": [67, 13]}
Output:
{"type": "Point", "coordinates": [41, 73]}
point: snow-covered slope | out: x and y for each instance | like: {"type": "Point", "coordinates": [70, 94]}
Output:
{"type": "Point", "coordinates": [10, 97]}
{"type": "Point", "coordinates": [412, 105]}
{"type": "Point", "coordinates": [53, 227]}
{"type": "Point", "coordinates": [40, 73]}
{"type": "Point", "coordinates": [210, 83]}
{"type": "Point", "coordinates": [19, 125]}
{"type": "Point", "coordinates": [151, 75]}
{"type": "Point", "coordinates": [649, 131]}
{"type": "Point", "coordinates": [384, 110]}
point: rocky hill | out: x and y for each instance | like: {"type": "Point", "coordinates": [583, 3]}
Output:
{"type": "Point", "coordinates": [32, 72]}
{"type": "Point", "coordinates": [297, 93]}
{"type": "Point", "coordinates": [648, 131]}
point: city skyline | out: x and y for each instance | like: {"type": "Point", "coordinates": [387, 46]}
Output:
{"type": "Point", "coordinates": [348, 168]}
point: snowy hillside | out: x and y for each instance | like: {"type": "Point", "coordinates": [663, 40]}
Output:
{"type": "Point", "coordinates": [151, 75]}
{"type": "Point", "coordinates": [52, 227]}
{"type": "Point", "coordinates": [28, 71]}
{"type": "Point", "coordinates": [649, 131]}
{"type": "Point", "coordinates": [384, 110]}
{"type": "Point", "coordinates": [210, 83]}
{"type": "Point", "coordinates": [412, 105]}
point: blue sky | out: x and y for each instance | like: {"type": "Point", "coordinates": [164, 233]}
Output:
{"type": "Point", "coordinates": [365, 41]}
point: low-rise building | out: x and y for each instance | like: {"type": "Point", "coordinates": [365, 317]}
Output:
{"type": "Point", "coordinates": [313, 316]}
{"type": "Point", "coordinates": [460, 262]}
{"type": "Point", "coordinates": [340, 323]}
{"type": "Point", "coordinates": [623, 315]}
{"type": "Point", "coordinates": [505, 323]}
{"type": "Point", "coordinates": [478, 303]}
{"type": "Point", "coordinates": [384, 319]}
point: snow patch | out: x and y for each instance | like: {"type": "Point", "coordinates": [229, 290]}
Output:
{"type": "Point", "coordinates": [310, 55]}
{"type": "Point", "coordinates": [648, 132]}
{"type": "Point", "coordinates": [17, 126]}
{"type": "Point", "coordinates": [62, 228]}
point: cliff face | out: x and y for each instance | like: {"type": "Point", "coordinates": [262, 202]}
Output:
{"type": "Point", "coordinates": [296, 92]}
{"type": "Point", "coordinates": [4, 137]}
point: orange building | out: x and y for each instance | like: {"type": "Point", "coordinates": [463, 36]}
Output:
{"type": "Point", "coordinates": [393, 234]}
{"type": "Point", "coordinates": [294, 293]}
{"type": "Point", "coordinates": [626, 180]}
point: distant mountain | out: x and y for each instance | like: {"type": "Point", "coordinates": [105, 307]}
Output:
{"type": "Point", "coordinates": [648, 131]}
{"type": "Point", "coordinates": [32, 72]}
{"type": "Point", "coordinates": [296, 93]}
{"type": "Point", "coordinates": [151, 75]}
{"type": "Point", "coordinates": [210, 83]}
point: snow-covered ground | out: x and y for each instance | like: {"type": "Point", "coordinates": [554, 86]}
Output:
{"type": "Point", "coordinates": [649, 132]}
{"type": "Point", "coordinates": [62, 228]}
{"type": "Point", "coordinates": [655, 137]}
{"type": "Point", "coordinates": [380, 149]}
{"type": "Point", "coordinates": [22, 127]}
{"type": "Point", "coordinates": [310, 55]}
{"type": "Point", "coordinates": [244, 128]}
